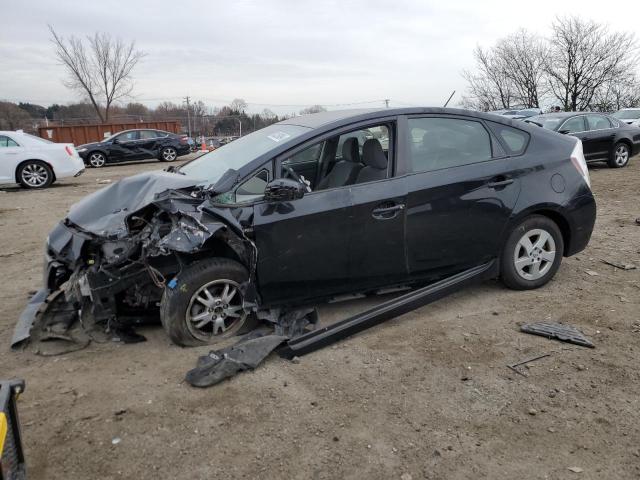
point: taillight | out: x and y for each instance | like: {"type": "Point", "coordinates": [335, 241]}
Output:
{"type": "Point", "coordinates": [578, 161]}
{"type": "Point", "coordinates": [69, 150]}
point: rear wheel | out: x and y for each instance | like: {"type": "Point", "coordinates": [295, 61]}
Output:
{"type": "Point", "coordinates": [206, 303]}
{"type": "Point", "coordinates": [168, 154]}
{"type": "Point", "coordinates": [97, 159]}
{"type": "Point", "coordinates": [35, 174]}
{"type": "Point", "coordinates": [532, 253]}
{"type": "Point", "coordinates": [620, 155]}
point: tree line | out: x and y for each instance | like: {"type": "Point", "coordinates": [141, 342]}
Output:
{"type": "Point", "coordinates": [197, 118]}
{"type": "Point", "coordinates": [581, 65]}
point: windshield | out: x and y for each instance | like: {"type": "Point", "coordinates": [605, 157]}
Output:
{"type": "Point", "coordinates": [627, 114]}
{"type": "Point", "coordinates": [238, 153]}
{"type": "Point", "coordinates": [547, 121]}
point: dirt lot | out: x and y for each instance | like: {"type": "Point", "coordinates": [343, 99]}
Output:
{"type": "Point", "coordinates": [427, 395]}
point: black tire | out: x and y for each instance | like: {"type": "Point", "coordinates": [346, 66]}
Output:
{"type": "Point", "coordinates": [179, 298]}
{"type": "Point", "coordinates": [168, 154]}
{"type": "Point", "coordinates": [523, 276]}
{"type": "Point", "coordinates": [620, 155]}
{"type": "Point", "coordinates": [96, 159]}
{"type": "Point", "coordinates": [34, 174]}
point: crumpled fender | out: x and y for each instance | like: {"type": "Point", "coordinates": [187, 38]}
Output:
{"type": "Point", "coordinates": [22, 330]}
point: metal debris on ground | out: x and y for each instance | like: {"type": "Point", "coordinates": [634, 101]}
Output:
{"type": "Point", "coordinates": [513, 366]}
{"type": "Point", "coordinates": [218, 365]}
{"type": "Point", "coordinates": [620, 265]}
{"type": "Point", "coordinates": [564, 333]}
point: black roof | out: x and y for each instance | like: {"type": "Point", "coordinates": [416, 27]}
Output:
{"type": "Point", "coordinates": [337, 117]}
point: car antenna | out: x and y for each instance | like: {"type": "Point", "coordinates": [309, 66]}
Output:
{"type": "Point", "coordinates": [450, 97]}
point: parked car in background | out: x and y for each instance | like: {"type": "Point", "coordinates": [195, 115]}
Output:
{"type": "Point", "coordinates": [135, 145]}
{"type": "Point", "coordinates": [630, 116]}
{"type": "Point", "coordinates": [603, 138]}
{"type": "Point", "coordinates": [515, 114]}
{"type": "Point", "coordinates": [34, 162]}
{"type": "Point", "coordinates": [524, 113]}
{"type": "Point", "coordinates": [288, 219]}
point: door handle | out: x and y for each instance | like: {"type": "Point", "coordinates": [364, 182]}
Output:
{"type": "Point", "coordinates": [385, 213]}
{"type": "Point", "coordinates": [500, 182]}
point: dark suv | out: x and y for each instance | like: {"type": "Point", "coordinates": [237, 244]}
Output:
{"type": "Point", "coordinates": [135, 145]}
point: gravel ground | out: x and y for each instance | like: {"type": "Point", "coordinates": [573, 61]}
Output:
{"type": "Point", "coordinates": [427, 395]}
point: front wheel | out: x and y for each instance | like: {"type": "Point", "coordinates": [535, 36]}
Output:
{"type": "Point", "coordinates": [168, 154]}
{"type": "Point", "coordinates": [532, 253]}
{"type": "Point", "coordinates": [97, 159]}
{"type": "Point", "coordinates": [620, 155]}
{"type": "Point", "coordinates": [206, 303]}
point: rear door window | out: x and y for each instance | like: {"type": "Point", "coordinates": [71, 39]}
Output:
{"type": "Point", "coordinates": [148, 134]}
{"type": "Point", "coordinates": [598, 122]}
{"type": "Point", "coordinates": [437, 143]}
{"type": "Point", "coordinates": [7, 142]}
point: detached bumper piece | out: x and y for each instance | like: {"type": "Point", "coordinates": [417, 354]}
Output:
{"type": "Point", "coordinates": [12, 464]}
{"type": "Point", "coordinates": [564, 333]}
{"type": "Point", "coordinates": [322, 337]}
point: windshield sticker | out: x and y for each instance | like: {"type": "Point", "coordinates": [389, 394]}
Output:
{"type": "Point", "coordinates": [278, 136]}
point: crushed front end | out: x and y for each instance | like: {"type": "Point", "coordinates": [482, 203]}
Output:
{"type": "Point", "coordinates": [109, 268]}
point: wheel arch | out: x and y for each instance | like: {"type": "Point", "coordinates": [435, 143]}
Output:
{"type": "Point", "coordinates": [48, 164]}
{"type": "Point", "coordinates": [552, 213]}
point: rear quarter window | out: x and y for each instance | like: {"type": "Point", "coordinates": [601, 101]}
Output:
{"type": "Point", "coordinates": [514, 140]}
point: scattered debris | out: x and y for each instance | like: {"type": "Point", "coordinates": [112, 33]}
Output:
{"type": "Point", "coordinates": [221, 364]}
{"type": "Point", "coordinates": [10, 254]}
{"type": "Point", "coordinates": [533, 412]}
{"type": "Point", "coordinates": [621, 266]}
{"type": "Point", "coordinates": [575, 469]}
{"type": "Point", "coordinates": [564, 333]}
{"type": "Point", "coordinates": [115, 440]}
{"type": "Point", "coordinates": [593, 273]}
{"type": "Point", "coordinates": [106, 180]}
{"type": "Point", "coordinates": [513, 366]}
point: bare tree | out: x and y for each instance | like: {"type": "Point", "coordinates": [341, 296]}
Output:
{"type": "Point", "coordinates": [522, 57]}
{"type": "Point", "coordinates": [490, 88]}
{"type": "Point", "coordinates": [623, 92]}
{"type": "Point", "coordinates": [313, 109]}
{"type": "Point", "coordinates": [13, 117]}
{"type": "Point", "coordinates": [584, 56]}
{"type": "Point", "coordinates": [101, 70]}
{"type": "Point", "coordinates": [238, 105]}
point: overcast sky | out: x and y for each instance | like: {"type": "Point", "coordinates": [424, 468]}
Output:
{"type": "Point", "coordinates": [280, 54]}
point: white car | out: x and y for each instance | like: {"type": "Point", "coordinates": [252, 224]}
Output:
{"type": "Point", "coordinates": [34, 162]}
{"type": "Point", "coordinates": [630, 116]}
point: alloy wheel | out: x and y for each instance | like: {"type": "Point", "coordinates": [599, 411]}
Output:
{"type": "Point", "coordinates": [215, 310]}
{"type": "Point", "coordinates": [534, 254]}
{"type": "Point", "coordinates": [169, 154]}
{"type": "Point", "coordinates": [97, 160]}
{"type": "Point", "coordinates": [34, 175]}
{"type": "Point", "coordinates": [621, 155]}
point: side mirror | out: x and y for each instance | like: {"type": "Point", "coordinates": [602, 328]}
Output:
{"type": "Point", "coordinates": [283, 190]}
{"type": "Point", "coordinates": [564, 132]}
{"type": "Point", "coordinates": [115, 141]}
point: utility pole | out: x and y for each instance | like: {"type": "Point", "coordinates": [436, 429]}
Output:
{"type": "Point", "coordinates": [386, 102]}
{"type": "Point", "coordinates": [188, 115]}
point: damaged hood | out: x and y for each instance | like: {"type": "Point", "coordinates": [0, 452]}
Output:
{"type": "Point", "coordinates": [104, 212]}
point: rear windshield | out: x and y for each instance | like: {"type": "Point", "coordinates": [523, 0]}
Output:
{"type": "Point", "coordinates": [627, 114]}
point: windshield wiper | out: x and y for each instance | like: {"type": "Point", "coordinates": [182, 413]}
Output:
{"type": "Point", "coordinates": [535, 123]}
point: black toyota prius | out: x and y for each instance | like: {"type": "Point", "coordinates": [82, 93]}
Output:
{"type": "Point", "coordinates": [316, 207]}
